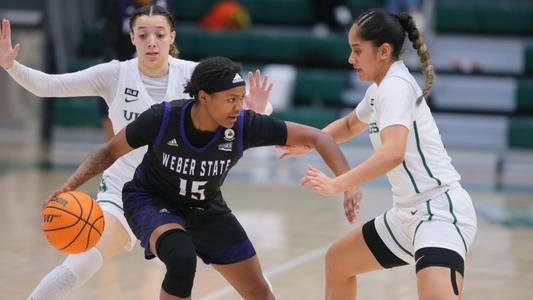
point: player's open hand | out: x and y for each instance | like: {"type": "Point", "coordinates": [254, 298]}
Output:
{"type": "Point", "coordinates": [293, 150]}
{"type": "Point", "coordinates": [319, 182]}
{"type": "Point", "coordinates": [60, 190]}
{"type": "Point", "coordinates": [259, 92]}
{"type": "Point", "coordinates": [352, 201]}
{"type": "Point", "coordinates": [7, 53]}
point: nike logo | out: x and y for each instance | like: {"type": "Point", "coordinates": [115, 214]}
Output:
{"type": "Point", "coordinates": [130, 100]}
{"type": "Point", "coordinates": [413, 212]}
{"type": "Point", "coordinates": [416, 262]}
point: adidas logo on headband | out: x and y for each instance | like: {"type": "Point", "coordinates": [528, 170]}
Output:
{"type": "Point", "coordinates": [225, 83]}
{"type": "Point", "coordinates": [237, 78]}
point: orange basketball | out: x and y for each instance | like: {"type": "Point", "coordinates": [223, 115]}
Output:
{"type": "Point", "coordinates": [72, 222]}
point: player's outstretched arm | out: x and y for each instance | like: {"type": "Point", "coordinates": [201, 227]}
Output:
{"type": "Point", "coordinates": [95, 81]}
{"type": "Point", "coordinates": [97, 161]}
{"type": "Point", "coordinates": [301, 135]}
{"type": "Point", "coordinates": [341, 130]}
{"type": "Point", "coordinates": [390, 155]}
{"type": "Point", "coordinates": [345, 128]}
{"type": "Point", "coordinates": [7, 52]}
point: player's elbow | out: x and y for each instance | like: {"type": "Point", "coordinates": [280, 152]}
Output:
{"type": "Point", "coordinates": [320, 138]}
{"type": "Point", "coordinates": [396, 157]}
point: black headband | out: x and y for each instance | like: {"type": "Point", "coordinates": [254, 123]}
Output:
{"type": "Point", "coordinates": [228, 82]}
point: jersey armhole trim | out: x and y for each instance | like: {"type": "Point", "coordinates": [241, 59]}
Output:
{"type": "Point", "coordinates": [121, 77]}
{"type": "Point", "coordinates": [240, 132]}
{"type": "Point", "coordinates": [163, 126]}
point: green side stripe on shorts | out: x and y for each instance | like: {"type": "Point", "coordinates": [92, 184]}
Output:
{"type": "Point", "coordinates": [107, 201]}
{"type": "Point", "coordinates": [393, 237]}
{"type": "Point", "coordinates": [410, 177]}
{"type": "Point", "coordinates": [455, 220]}
{"type": "Point", "coordinates": [416, 230]}
{"type": "Point", "coordinates": [429, 210]}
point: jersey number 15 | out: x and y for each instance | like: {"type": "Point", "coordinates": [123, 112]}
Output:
{"type": "Point", "coordinates": [193, 189]}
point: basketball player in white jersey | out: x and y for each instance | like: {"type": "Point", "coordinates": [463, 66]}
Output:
{"type": "Point", "coordinates": [432, 222]}
{"type": "Point", "coordinates": [129, 88]}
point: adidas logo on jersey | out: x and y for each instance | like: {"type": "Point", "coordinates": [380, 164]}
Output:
{"type": "Point", "coordinates": [173, 143]}
{"type": "Point", "coordinates": [225, 146]}
{"type": "Point", "coordinates": [237, 78]}
{"type": "Point", "coordinates": [164, 210]}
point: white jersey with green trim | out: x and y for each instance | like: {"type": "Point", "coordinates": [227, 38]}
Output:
{"type": "Point", "coordinates": [426, 170]}
{"type": "Point", "coordinates": [133, 96]}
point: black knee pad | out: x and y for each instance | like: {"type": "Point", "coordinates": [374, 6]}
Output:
{"type": "Point", "coordinates": [176, 251]}
{"type": "Point", "coordinates": [441, 257]}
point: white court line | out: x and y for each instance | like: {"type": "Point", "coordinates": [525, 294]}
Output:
{"type": "Point", "coordinates": [271, 272]}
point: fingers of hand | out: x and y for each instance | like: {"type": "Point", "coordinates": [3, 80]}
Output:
{"type": "Point", "coordinates": [347, 212]}
{"type": "Point", "coordinates": [305, 181]}
{"type": "Point", "coordinates": [311, 171]}
{"type": "Point", "coordinates": [6, 30]}
{"type": "Point", "coordinates": [269, 89]}
{"type": "Point", "coordinates": [52, 196]}
{"type": "Point", "coordinates": [3, 29]}
{"type": "Point", "coordinates": [16, 49]}
{"type": "Point", "coordinates": [265, 81]}
{"type": "Point", "coordinates": [311, 168]}
{"type": "Point", "coordinates": [257, 78]}
{"type": "Point", "coordinates": [318, 189]}
{"type": "Point", "coordinates": [351, 210]}
{"type": "Point", "coordinates": [251, 79]}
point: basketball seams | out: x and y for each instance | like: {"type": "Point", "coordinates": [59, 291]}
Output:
{"type": "Point", "coordinates": [94, 227]}
{"type": "Point", "coordinates": [81, 216]}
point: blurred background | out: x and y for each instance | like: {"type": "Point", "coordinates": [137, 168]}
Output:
{"type": "Point", "coordinates": [482, 51]}
{"type": "Point", "coordinates": [482, 99]}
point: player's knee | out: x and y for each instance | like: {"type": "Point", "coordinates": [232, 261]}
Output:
{"type": "Point", "coordinates": [332, 255]}
{"type": "Point", "coordinates": [176, 251]}
{"type": "Point", "coordinates": [331, 260]}
{"type": "Point", "coordinates": [334, 263]}
{"type": "Point", "coordinates": [84, 265]}
{"type": "Point", "coordinates": [115, 237]}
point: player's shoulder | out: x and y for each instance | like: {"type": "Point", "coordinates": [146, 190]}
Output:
{"type": "Point", "coordinates": [178, 103]}
{"type": "Point", "coordinates": [174, 107]}
{"type": "Point", "coordinates": [371, 90]}
{"type": "Point", "coordinates": [249, 114]}
{"type": "Point", "coordinates": [395, 82]}
{"type": "Point", "coordinates": [112, 66]}
{"type": "Point", "coordinates": [182, 63]}
{"type": "Point", "coordinates": [252, 118]}
{"type": "Point", "coordinates": [398, 83]}
{"type": "Point", "coordinates": [398, 80]}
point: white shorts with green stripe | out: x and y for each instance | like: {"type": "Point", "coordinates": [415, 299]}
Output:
{"type": "Point", "coordinates": [109, 198]}
{"type": "Point", "coordinates": [446, 221]}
